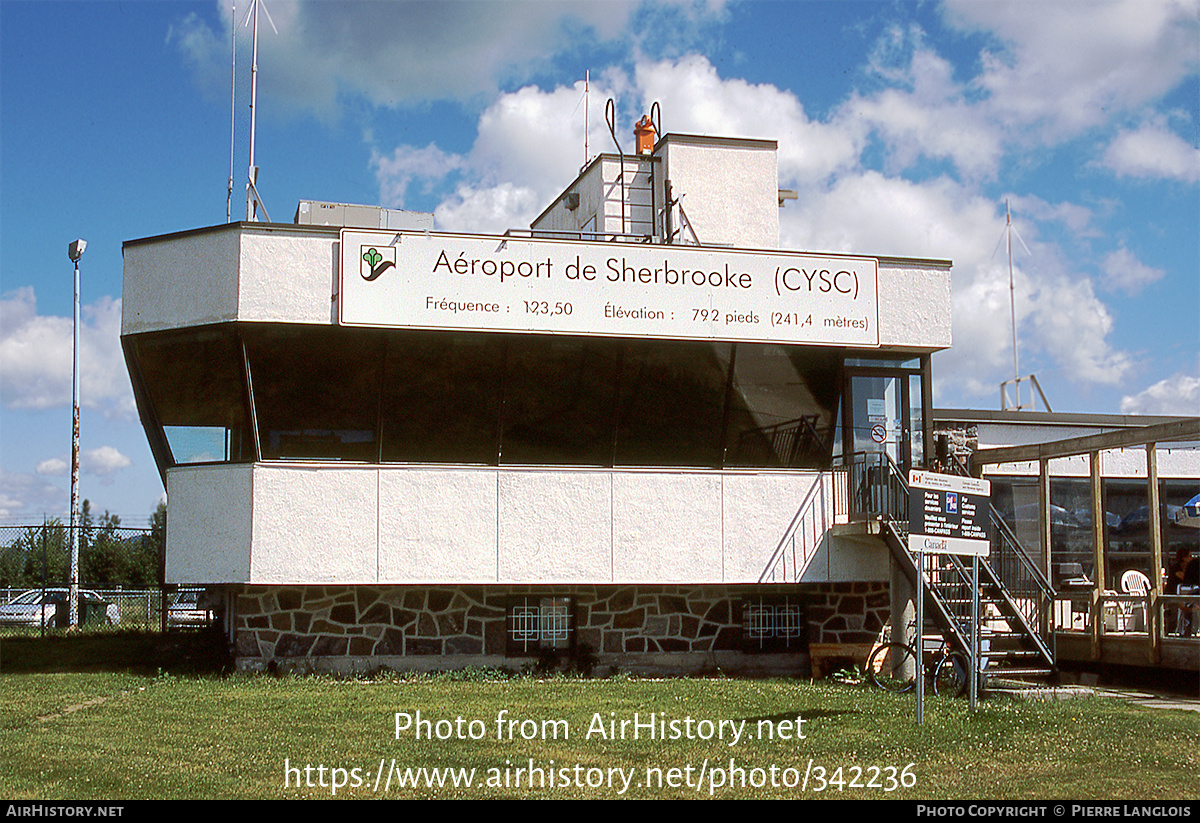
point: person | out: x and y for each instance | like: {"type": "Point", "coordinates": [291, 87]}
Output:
{"type": "Point", "coordinates": [1183, 578]}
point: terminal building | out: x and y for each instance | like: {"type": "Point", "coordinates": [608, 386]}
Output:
{"type": "Point", "coordinates": [617, 438]}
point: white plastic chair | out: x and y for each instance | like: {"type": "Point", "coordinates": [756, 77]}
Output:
{"type": "Point", "coordinates": [1134, 582]}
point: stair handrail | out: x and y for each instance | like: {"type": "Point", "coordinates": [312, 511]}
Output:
{"type": "Point", "coordinates": [1010, 545]}
{"type": "Point", "coordinates": [1006, 534]}
{"type": "Point", "coordinates": [816, 495]}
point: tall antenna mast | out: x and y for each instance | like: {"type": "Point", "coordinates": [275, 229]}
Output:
{"type": "Point", "coordinates": [1009, 231]}
{"type": "Point", "coordinates": [232, 106]}
{"type": "Point", "coordinates": [253, 201]}
{"type": "Point", "coordinates": [587, 99]}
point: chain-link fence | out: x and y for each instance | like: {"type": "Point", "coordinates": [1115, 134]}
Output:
{"type": "Point", "coordinates": [120, 570]}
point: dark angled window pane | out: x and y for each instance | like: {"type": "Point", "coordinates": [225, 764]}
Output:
{"type": "Point", "coordinates": [441, 397]}
{"type": "Point", "coordinates": [558, 400]}
{"type": "Point", "coordinates": [316, 392]}
{"type": "Point", "coordinates": [195, 386]}
{"type": "Point", "coordinates": [783, 405]}
{"type": "Point", "coordinates": [672, 404]}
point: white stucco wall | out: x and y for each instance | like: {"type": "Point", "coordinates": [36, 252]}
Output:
{"type": "Point", "coordinates": [914, 306]}
{"type": "Point", "coordinates": [229, 273]}
{"type": "Point", "coordinates": [209, 536]}
{"type": "Point", "coordinates": [287, 278]}
{"type": "Point", "coordinates": [180, 280]}
{"type": "Point", "coordinates": [729, 192]}
{"type": "Point", "coordinates": [330, 524]}
{"type": "Point", "coordinates": [1175, 460]}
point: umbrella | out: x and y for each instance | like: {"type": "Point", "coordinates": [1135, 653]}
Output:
{"type": "Point", "coordinates": [1138, 520]}
{"type": "Point", "coordinates": [1189, 515]}
{"type": "Point", "coordinates": [1084, 516]}
{"type": "Point", "coordinates": [1059, 517]}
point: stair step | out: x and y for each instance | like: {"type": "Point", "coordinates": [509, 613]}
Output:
{"type": "Point", "coordinates": [966, 601]}
{"type": "Point", "coordinates": [1021, 672]}
{"type": "Point", "coordinates": [949, 595]}
{"type": "Point", "coordinates": [1015, 655]}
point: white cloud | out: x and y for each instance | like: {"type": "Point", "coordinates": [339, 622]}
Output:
{"type": "Point", "coordinates": [396, 54]}
{"type": "Point", "coordinates": [53, 467]}
{"type": "Point", "coordinates": [103, 462]}
{"type": "Point", "coordinates": [22, 495]}
{"type": "Point", "coordinates": [488, 210]}
{"type": "Point", "coordinates": [1177, 394]}
{"type": "Point", "coordinates": [1067, 66]}
{"type": "Point", "coordinates": [1153, 152]}
{"type": "Point", "coordinates": [1071, 325]}
{"type": "Point", "coordinates": [929, 115]}
{"type": "Point", "coordinates": [36, 357]}
{"type": "Point", "coordinates": [407, 164]}
{"type": "Point", "coordinates": [694, 98]}
{"type": "Point", "coordinates": [1125, 272]}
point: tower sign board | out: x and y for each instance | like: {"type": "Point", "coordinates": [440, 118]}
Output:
{"type": "Point", "coordinates": [427, 280]}
{"type": "Point", "coordinates": [948, 514]}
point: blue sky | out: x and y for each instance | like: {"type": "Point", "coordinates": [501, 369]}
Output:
{"type": "Point", "coordinates": [903, 126]}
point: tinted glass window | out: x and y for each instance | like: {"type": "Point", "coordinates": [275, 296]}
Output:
{"type": "Point", "coordinates": [316, 392]}
{"type": "Point", "coordinates": [672, 404]}
{"type": "Point", "coordinates": [336, 393]}
{"type": "Point", "coordinates": [195, 385]}
{"type": "Point", "coordinates": [558, 400]}
{"type": "Point", "coordinates": [441, 398]}
{"type": "Point", "coordinates": [782, 406]}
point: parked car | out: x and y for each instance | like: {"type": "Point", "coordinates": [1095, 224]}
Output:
{"type": "Point", "coordinates": [188, 609]}
{"type": "Point", "coordinates": [51, 608]}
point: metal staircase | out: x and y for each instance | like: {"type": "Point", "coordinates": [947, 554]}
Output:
{"type": "Point", "coordinates": [1014, 606]}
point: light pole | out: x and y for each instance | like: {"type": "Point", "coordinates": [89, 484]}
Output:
{"type": "Point", "coordinates": [75, 251]}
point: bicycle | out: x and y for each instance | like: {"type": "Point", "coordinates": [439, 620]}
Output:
{"type": "Point", "coordinates": [893, 667]}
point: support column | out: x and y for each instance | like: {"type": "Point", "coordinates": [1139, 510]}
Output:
{"type": "Point", "coordinates": [1097, 611]}
{"type": "Point", "coordinates": [1153, 624]}
{"type": "Point", "coordinates": [1044, 533]}
{"type": "Point", "coordinates": [903, 608]}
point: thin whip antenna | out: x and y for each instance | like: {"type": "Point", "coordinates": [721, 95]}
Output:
{"type": "Point", "coordinates": [1009, 231]}
{"type": "Point", "coordinates": [585, 99]}
{"type": "Point", "coordinates": [232, 106]}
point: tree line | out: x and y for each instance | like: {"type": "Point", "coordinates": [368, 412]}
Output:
{"type": "Point", "coordinates": [110, 555]}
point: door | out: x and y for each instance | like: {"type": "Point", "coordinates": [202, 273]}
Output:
{"type": "Point", "coordinates": [884, 414]}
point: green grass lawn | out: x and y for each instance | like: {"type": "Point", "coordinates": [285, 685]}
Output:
{"type": "Point", "coordinates": [124, 732]}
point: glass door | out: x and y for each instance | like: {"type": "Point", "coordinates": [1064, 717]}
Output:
{"type": "Point", "coordinates": [879, 422]}
{"type": "Point", "coordinates": [884, 413]}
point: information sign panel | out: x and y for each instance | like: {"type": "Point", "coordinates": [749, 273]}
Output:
{"type": "Point", "coordinates": [489, 283]}
{"type": "Point", "coordinates": [948, 514]}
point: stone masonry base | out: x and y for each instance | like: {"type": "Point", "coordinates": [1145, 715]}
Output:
{"type": "Point", "coordinates": [637, 629]}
